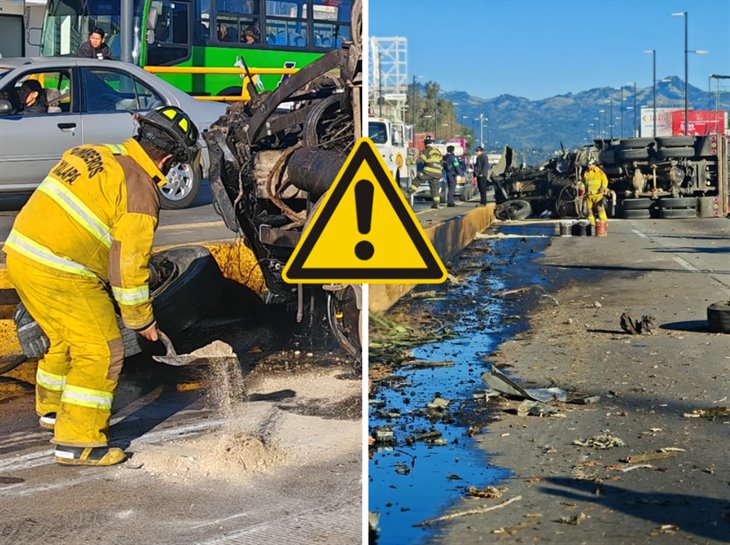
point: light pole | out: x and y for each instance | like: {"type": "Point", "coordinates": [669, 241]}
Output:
{"type": "Point", "coordinates": [481, 130]}
{"type": "Point", "coordinates": [653, 91]}
{"type": "Point", "coordinates": [603, 121]}
{"type": "Point", "coordinates": [598, 119]}
{"type": "Point", "coordinates": [633, 133]}
{"type": "Point", "coordinates": [610, 115]}
{"type": "Point", "coordinates": [380, 84]}
{"type": "Point", "coordinates": [413, 117]}
{"type": "Point", "coordinates": [621, 113]}
{"type": "Point", "coordinates": [686, 67]}
{"type": "Point", "coordinates": [429, 116]}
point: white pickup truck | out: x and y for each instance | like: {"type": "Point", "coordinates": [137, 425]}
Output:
{"type": "Point", "coordinates": [391, 140]}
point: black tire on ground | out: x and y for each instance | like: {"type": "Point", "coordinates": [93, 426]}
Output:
{"type": "Point", "coordinates": [675, 141]}
{"type": "Point", "coordinates": [632, 154]}
{"type": "Point", "coordinates": [185, 297]}
{"type": "Point", "coordinates": [634, 143]}
{"type": "Point", "coordinates": [517, 209]}
{"type": "Point", "coordinates": [677, 202]}
{"type": "Point", "coordinates": [637, 214]}
{"type": "Point", "coordinates": [675, 153]}
{"type": "Point", "coordinates": [718, 317]}
{"type": "Point", "coordinates": [637, 204]}
{"type": "Point", "coordinates": [677, 213]}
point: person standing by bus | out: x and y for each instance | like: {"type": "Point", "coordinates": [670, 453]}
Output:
{"type": "Point", "coordinates": [95, 48]}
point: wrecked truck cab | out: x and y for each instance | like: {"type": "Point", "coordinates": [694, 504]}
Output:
{"type": "Point", "coordinates": [272, 161]}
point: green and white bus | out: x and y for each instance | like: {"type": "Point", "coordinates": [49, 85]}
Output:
{"type": "Point", "coordinates": [205, 33]}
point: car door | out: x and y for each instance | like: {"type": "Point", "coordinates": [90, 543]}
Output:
{"type": "Point", "coordinates": [31, 144]}
{"type": "Point", "coordinates": [109, 97]}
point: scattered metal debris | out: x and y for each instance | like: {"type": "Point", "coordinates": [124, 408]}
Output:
{"type": "Point", "coordinates": [490, 492]}
{"type": "Point", "coordinates": [712, 413]}
{"type": "Point", "coordinates": [438, 403]}
{"type": "Point", "coordinates": [649, 456]}
{"type": "Point", "coordinates": [384, 435]}
{"type": "Point", "coordinates": [575, 520]}
{"type": "Point", "coordinates": [498, 381]}
{"type": "Point", "coordinates": [588, 400]}
{"type": "Point", "coordinates": [645, 326]}
{"type": "Point", "coordinates": [601, 441]}
{"type": "Point", "coordinates": [536, 408]}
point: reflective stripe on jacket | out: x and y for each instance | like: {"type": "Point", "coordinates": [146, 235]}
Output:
{"type": "Point", "coordinates": [95, 214]}
{"type": "Point", "coordinates": [431, 158]}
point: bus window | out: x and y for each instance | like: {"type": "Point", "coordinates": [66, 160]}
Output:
{"type": "Point", "coordinates": [331, 23]}
{"type": "Point", "coordinates": [170, 35]}
{"type": "Point", "coordinates": [237, 21]}
{"type": "Point", "coordinates": [202, 29]}
{"type": "Point", "coordinates": [286, 23]}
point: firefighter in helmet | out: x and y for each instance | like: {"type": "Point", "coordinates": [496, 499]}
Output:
{"type": "Point", "coordinates": [431, 159]}
{"type": "Point", "coordinates": [594, 189]}
{"type": "Point", "coordinates": [84, 234]}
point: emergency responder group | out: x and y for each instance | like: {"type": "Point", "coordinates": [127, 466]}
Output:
{"type": "Point", "coordinates": [84, 238]}
{"type": "Point", "coordinates": [436, 166]}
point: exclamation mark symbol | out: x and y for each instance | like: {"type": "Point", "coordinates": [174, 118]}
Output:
{"type": "Point", "coordinates": [364, 206]}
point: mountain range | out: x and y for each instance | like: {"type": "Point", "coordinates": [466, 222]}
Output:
{"type": "Point", "coordinates": [542, 125]}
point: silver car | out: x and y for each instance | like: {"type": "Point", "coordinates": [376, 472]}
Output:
{"type": "Point", "coordinates": [90, 102]}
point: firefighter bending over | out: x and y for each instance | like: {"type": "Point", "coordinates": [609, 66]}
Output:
{"type": "Point", "coordinates": [431, 159]}
{"type": "Point", "coordinates": [86, 229]}
{"type": "Point", "coordinates": [594, 189]}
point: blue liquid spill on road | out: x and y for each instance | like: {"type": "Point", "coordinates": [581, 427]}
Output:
{"type": "Point", "coordinates": [414, 481]}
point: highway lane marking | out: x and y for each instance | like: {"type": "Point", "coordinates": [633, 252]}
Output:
{"type": "Point", "coordinates": [642, 235]}
{"type": "Point", "coordinates": [686, 264]}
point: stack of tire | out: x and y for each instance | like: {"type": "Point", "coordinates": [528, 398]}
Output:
{"type": "Point", "coordinates": [677, 207]}
{"type": "Point", "coordinates": [636, 209]}
{"type": "Point", "coordinates": [632, 149]}
{"type": "Point", "coordinates": [675, 147]}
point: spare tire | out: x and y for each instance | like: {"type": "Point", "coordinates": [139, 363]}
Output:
{"type": "Point", "coordinates": [191, 289]}
{"type": "Point", "coordinates": [718, 317]}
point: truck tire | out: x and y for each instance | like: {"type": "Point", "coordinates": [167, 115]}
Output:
{"type": "Point", "coordinates": [185, 297]}
{"type": "Point", "coordinates": [634, 143]}
{"type": "Point", "coordinates": [718, 317]}
{"type": "Point", "coordinates": [637, 204]}
{"type": "Point", "coordinates": [675, 153]}
{"type": "Point", "coordinates": [632, 154]}
{"type": "Point", "coordinates": [675, 141]}
{"type": "Point", "coordinates": [643, 214]}
{"type": "Point", "coordinates": [515, 209]}
{"type": "Point", "coordinates": [677, 202]}
{"type": "Point", "coordinates": [677, 213]}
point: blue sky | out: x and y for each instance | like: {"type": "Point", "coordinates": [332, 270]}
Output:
{"type": "Point", "coordinates": [541, 48]}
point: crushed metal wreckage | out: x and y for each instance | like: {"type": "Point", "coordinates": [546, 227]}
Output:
{"type": "Point", "coordinates": [272, 161]}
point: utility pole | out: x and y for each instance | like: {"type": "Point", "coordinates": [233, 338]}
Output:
{"type": "Point", "coordinates": [413, 107]}
{"type": "Point", "coordinates": [481, 130]}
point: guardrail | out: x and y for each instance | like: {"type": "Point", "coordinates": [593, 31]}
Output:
{"type": "Point", "coordinates": [245, 79]}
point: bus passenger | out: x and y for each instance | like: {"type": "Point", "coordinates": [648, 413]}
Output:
{"type": "Point", "coordinates": [95, 48]}
{"type": "Point", "coordinates": [249, 36]}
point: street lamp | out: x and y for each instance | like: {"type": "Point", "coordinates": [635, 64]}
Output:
{"type": "Point", "coordinates": [605, 123]}
{"type": "Point", "coordinates": [413, 117]}
{"type": "Point", "coordinates": [633, 133]}
{"type": "Point", "coordinates": [429, 116]}
{"type": "Point", "coordinates": [653, 92]}
{"type": "Point", "coordinates": [481, 129]}
{"type": "Point", "coordinates": [686, 67]}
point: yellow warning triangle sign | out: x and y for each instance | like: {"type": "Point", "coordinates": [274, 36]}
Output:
{"type": "Point", "coordinates": [364, 231]}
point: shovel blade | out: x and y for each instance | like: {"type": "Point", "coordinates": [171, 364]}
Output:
{"type": "Point", "coordinates": [210, 353]}
{"type": "Point", "coordinates": [181, 360]}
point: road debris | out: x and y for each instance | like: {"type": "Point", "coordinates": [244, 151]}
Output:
{"type": "Point", "coordinates": [636, 466]}
{"type": "Point", "coordinates": [384, 435]}
{"type": "Point", "coordinates": [574, 520]}
{"type": "Point", "coordinates": [490, 492]}
{"type": "Point", "coordinates": [601, 441]}
{"type": "Point", "coordinates": [649, 456]}
{"type": "Point", "coordinates": [498, 381]}
{"type": "Point", "coordinates": [536, 408]}
{"type": "Point", "coordinates": [645, 326]}
{"type": "Point", "coordinates": [711, 413]}
{"type": "Point", "coordinates": [665, 529]}
{"type": "Point", "coordinates": [427, 364]}
{"type": "Point", "coordinates": [468, 512]}
{"type": "Point", "coordinates": [425, 436]}
{"type": "Point", "coordinates": [438, 404]}
{"type": "Point", "coordinates": [588, 400]}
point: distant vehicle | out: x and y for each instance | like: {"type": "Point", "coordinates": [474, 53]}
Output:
{"type": "Point", "coordinates": [465, 185]}
{"type": "Point", "coordinates": [391, 141]}
{"type": "Point", "coordinates": [90, 102]}
{"type": "Point", "coordinates": [12, 28]}
{"type": "Point", "coordinates": [205, 33]}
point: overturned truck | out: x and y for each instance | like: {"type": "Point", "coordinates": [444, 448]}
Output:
{"type": "Point", "coordinates": [273, 159]}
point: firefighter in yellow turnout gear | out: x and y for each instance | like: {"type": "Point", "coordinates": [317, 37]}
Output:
{"type": "Point", "coordinates": [87, 230]}
{"type": "Point", "coordinates": [594, 188]}
{"type": "Point", "coordinates": [431, 159]}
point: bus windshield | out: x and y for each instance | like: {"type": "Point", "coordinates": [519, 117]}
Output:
{"type": "Point", "coordinates": [68, 23]}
